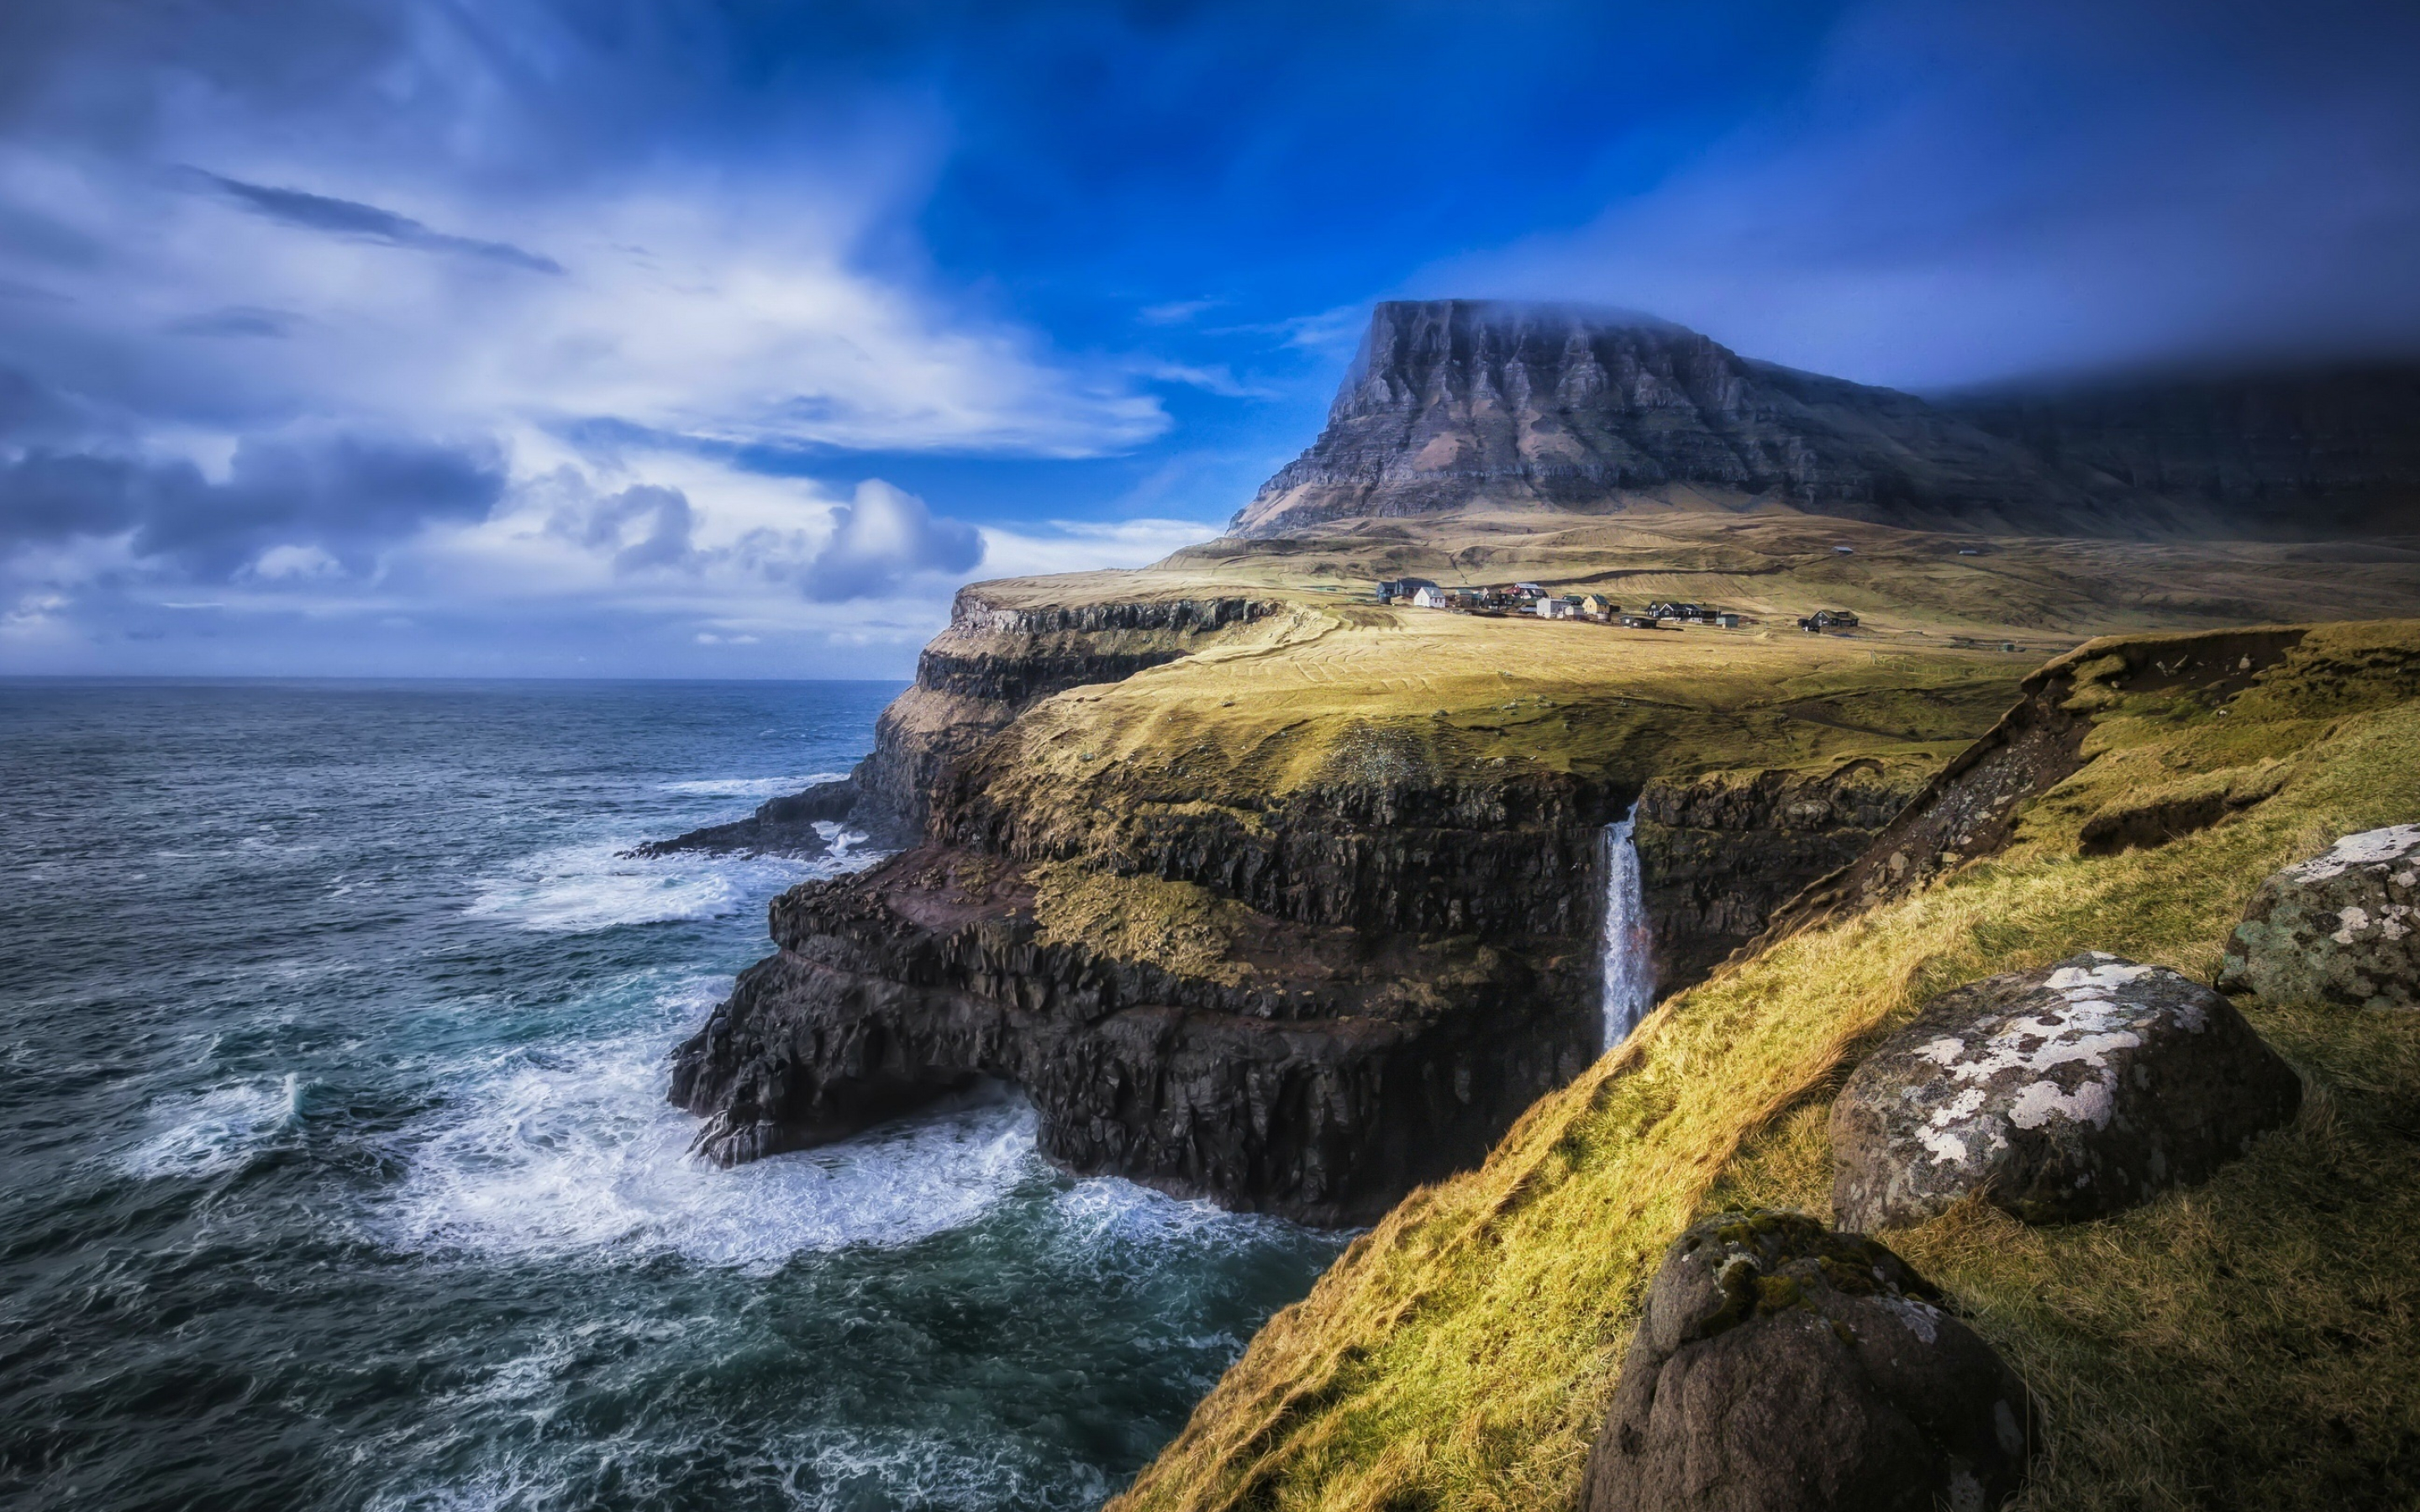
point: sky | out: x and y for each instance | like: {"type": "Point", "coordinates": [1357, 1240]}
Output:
{"type": "Point", "coordinates": [670, 338]}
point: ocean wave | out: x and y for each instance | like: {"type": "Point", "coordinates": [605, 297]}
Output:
{"type": "Point", "coordinates": [748, 787]}
{"type": "Point", "coordinates": [220, 1130]}
{"type": "Point", "coordinates": [574, 1152]}
{"type": "Point", "coordinates": [825, 1468]}
{"type": "Point", "coordinates": [577, 888]}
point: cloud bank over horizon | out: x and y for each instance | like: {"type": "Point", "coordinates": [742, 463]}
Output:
{"type": "Point", "coordinates": [381, 336]}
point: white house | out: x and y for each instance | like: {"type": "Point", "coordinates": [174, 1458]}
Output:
{"type": "Point", "coordinates": [1429, 596]}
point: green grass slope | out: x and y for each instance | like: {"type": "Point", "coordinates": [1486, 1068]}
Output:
{"type": "Point", "coordinates": [2251, 1342]}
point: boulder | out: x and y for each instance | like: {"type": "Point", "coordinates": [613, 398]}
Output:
{"type": "Point", "coordinates": [2059, 1094]}
{"type": "Point", "coordinates": [2341, 927]}
{"type": "Point", "coordinates": [1784, 1367]}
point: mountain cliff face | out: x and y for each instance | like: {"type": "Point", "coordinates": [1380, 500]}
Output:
{"type": "Point", "coordinates": [1457, 402]}
{"type": "Point", "coordinates": [2325, 452]}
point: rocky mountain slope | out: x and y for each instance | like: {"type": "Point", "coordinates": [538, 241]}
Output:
{"type": "Point", "coordinates": [1453, 402]}
{"type": "Point", "coordinates": [2324, 451]}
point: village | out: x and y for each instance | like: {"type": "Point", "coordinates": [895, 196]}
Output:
{"type": "Point", "coordinates": [1529, 599]}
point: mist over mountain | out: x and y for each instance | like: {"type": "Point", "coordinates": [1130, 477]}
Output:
{"type": "Point", "coordinates": [1458, 402]}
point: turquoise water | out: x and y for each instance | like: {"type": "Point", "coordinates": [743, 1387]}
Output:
{"type": "Point", "coordinates": [337, 1173]}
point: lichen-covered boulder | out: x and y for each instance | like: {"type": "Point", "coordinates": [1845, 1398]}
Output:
{"type": "Point", "coordinates": [1783, 1368]}
{"type": "Point", "coordinates": [2340, 928]}
{"type": "Point", "coordinates": [2059, 1094]}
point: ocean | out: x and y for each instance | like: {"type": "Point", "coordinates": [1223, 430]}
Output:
{"type": "Point", "coordinates": [335, 1170]}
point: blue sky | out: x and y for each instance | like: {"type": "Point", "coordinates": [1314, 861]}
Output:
{"type": "Point", "coordinates": [681, 339]}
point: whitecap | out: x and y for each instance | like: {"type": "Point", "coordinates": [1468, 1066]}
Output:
{"type": "Point", "coordinates": [748, 787]}
{"type": "Point", "coordinates": [565, 1153]}
{"type": "Point", "coordinates": [206, 1134]}
{"type": "Point", "coordinates": [577, 889]}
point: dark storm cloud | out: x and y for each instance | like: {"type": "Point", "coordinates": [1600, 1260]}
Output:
{"type": "Point", "coordinates": [350, 218]}
{"type": "Point", "coordinates": [343, 495]}
{"type": "Point", "coordinates": [1965, 192]}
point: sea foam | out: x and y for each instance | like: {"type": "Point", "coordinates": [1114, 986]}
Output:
{"type": "Point", "coordinates": [562, 1152]}
{"type": "Point", "coordinates": [748, 787]}
{"type": "Point", "coordinates": [577, 888]}
{"type": "Point", "coordinates": [217, 1130]}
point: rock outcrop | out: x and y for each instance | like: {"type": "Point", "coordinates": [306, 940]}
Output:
{"type": "Point", "coordinates": [2341, 927]}
{"type": "Point", "coordinates": [2060, 1094]}
{"type": "Point", "coordinates": [1343, 1068]}
{"type": "Point", "coordinates": [788, 825]}
{"type": "Point", "coordinates": [1784, 1367]}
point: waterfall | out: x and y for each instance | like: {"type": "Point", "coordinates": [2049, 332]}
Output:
{"type": "Point", "coordinates": [1629, 961]}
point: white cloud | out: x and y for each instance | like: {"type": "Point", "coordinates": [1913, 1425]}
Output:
{"type": "Point", "coordinates": [295, 561]}
{"type": "Point", "coordinates": [1076, 545]}
{"type": "Point", "coordinates": [709, 309]}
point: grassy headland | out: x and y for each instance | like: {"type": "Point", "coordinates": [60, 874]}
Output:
{"type": "Point", "coordinates": [2244, 1343]}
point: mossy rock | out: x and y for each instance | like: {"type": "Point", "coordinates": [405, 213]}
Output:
{"type": "Point", "coordinates": [1788, 1367]}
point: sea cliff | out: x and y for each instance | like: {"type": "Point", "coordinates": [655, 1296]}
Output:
{"type": "Point", "coordinates": [1244, 925]}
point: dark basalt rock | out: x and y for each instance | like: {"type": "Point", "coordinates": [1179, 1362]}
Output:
{"type": "Point", "coordinates": [1343, 1072]}
{"type": "Point", "coordinates": [780, 826]}
{"type": "Point", "coordinates": [1717, 858]}
{"type": "Point", "coordinates": [1784, 1367]}
{"type": "Point", "coordinates": [2340, 928]}
{"type": "Point", "coordinates": [2060, 1094]}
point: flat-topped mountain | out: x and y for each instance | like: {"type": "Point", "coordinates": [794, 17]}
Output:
{"type": "Point", "coordinates": [1453, 402]}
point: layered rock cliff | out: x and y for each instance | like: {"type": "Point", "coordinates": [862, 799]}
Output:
{"type": "Point", "coordinates": [1462, 402]}
{"type": "Point", "coordinates": [1296, 964]}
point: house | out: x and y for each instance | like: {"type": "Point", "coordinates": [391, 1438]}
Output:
{"type": "Point", "coordinates": [1401, 588]}
{"type": "Point", "coordinates": [1685, 613]}
{"type": "Point", "coordinates": [1596, 608]}
{"type": "Point", "coordinates": [1638, 622]}
{"type": "Point", "coordinates": [1828, 619]}
{"type": "Point", "coordinates": [1429, 595]}
{"type": "Point", "coordinates": [1727, 620]}
{"type": "Point", "coordinates": [1556, 609]}
{"type": "Point", "coordinates": [1528, 590]}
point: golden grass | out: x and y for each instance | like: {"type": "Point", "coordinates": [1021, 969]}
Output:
{"type": "Point", "coordinates": [1778, 564]}
{"type": "Point", "coordinates": [1179, 926]}
{"type": "Point", "coordinates": [1302, 701]}
{"type": "Point", "coordinates": [2250, 1342]}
